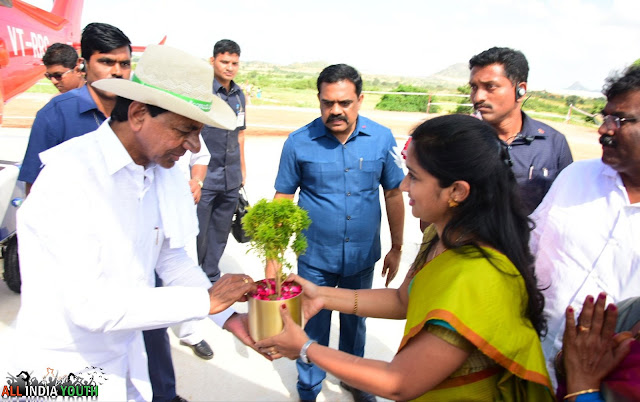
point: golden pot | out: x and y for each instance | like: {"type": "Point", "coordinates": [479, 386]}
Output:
{"type": "Point", "coordinates": [264, 316]}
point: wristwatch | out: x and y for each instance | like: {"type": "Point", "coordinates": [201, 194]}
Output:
{"type": "Point", "coordinates": [303, 351]}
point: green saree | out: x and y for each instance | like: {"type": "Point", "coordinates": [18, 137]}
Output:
{"type": "Point", "coordinates": [484, 303]}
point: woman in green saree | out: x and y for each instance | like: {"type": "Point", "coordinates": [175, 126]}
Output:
{"type": "Point", "coordinates": [473, 309]}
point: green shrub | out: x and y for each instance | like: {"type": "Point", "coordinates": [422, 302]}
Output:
{"type": "Point", "coordinates": [462, 109]}
{"type": "Point", "coordinates": [407, 103]}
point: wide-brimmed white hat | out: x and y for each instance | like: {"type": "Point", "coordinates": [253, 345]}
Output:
{"type": "Point", "coordinates": [176, 81]}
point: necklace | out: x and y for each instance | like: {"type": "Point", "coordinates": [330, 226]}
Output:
{"type": "Point", "coordinates": [513, 137]}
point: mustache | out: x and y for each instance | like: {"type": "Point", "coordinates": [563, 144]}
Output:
{"type": "Point", "coordinates": [337, 118]}
{"type": "Point", "coordinates": [608, 141]}
{"type": "Point", "coordinates": [481, 104]}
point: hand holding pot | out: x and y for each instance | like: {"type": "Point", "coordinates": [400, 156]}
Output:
{"type": "Point", "coordinates": [238, 325]}
{"type": "Point", "coordinates": [288, 342]}
{"type": "Point", "coordinates": [229, 289]}
{"type": "Point", "coordinates": [312, 302]}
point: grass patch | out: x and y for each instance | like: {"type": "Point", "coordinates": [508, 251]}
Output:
{"type": "Point", "coordinates": [44, 86]}
{"type": "Point", "coordinates": [295, 86]}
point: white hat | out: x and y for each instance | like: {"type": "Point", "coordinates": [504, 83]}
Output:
{"type": "Point", "coordinates": [176, 81]}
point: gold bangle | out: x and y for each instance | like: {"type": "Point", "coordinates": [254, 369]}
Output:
{"type": "Point", "coordinates": [355, 303]}
{"type": "Point", "coordinates": [586, 391]}
{"type": "Point", "coordinates": [200, 183]}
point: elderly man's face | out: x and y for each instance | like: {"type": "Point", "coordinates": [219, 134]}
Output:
{"type": "Point", "coordinates": [624, 153]}
{"type": "Point", "coordinates": [165, 138]}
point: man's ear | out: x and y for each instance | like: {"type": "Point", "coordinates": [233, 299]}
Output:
{"type": "Point", "coordinates": [138, 112]}
{"type": "Point", "coordinates": [460, 190]}
{"type": "Point", "coordinates": [521, 91]}
{"type": "Point", "coordinates": [211, 59]}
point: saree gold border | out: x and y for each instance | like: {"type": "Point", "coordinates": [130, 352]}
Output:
{"type": "Point", "coordinates": [480, 343]}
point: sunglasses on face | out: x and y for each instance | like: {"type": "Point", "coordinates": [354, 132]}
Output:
{"type": "Point", "coordinates": [57, 76]}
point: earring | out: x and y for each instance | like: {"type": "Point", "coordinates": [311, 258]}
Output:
{"type": "Point", "coordinates": [453, 203]}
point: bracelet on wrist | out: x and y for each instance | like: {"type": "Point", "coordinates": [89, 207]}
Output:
{"type": "Point", "coordinates": [355, 302]}
{"type": "Point", "coordinates": [303, 351]}
{"type": "Point", "coordinates": [586, 391]}
{"type": "Point", "coordinates": [396, 246]}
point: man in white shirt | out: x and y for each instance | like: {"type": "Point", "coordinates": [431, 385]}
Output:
{"type": "Point", "coordinates": [587, 235]}
{"type": "Point", "coordinates": [108, 212]}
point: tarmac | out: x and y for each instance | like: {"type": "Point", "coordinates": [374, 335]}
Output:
{"type": "Point", "coordinates": [236, 372]}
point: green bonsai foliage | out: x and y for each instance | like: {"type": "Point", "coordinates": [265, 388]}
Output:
{"type": "Point", "coordinates": [271, 225]}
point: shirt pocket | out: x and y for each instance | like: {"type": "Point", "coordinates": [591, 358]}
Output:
{"type": "Point", "coordinates": [322, 178]}
{"type": "Point", "coordinates": [369, 174]}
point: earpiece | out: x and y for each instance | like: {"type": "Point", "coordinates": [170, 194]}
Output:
{"type": "Point", "coordinates": [81, 66]}
{"type": "Point", "coordinates": [520, 92]}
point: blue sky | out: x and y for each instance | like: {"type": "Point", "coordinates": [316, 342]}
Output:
{"type": "Point", "coordinates": [564, 40]}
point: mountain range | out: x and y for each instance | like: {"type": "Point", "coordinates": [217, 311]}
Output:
{"type": "Point", "coordinates": [450, 77]}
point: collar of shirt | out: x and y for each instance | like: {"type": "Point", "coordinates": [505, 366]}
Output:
{"type": "Point", "coordinates": [172, 189]}
{"type": "Point", "coordinates": [115, 154]}
{"type": "Point", "coordinates": [360, 128]}
{"type": "Point", "coordinates": [85, 102]}
{"type": "Point", "coordinates": [529, 129]}
{"type": "Point", "coordinates": [117, 157]}
{"type": "Point", "coordinates": [612, 174]}
{"type": "Point", "coordinates": [217, 87]}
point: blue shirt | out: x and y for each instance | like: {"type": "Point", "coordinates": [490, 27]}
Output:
{"type": "Point", "coordinates": [224, 172]}
{"type": "Point", "coordinates": [66, 116]}
{"type": "Point", "coordinates": [339, 187]}
{"type": "Point", "coordinates": [539, 153]}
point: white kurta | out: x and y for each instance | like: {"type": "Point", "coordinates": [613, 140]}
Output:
{"type": "Point", "coordinates": [586, 241]}
{"type": "Point", "coordinates": [91, 233]}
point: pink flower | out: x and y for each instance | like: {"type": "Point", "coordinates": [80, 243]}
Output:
{"type": "Point", "coordinates": [267, 289]}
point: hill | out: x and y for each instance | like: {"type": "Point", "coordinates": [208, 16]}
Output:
{"type": "Point", "coordinates": [449, 78]}
{"type": "Point", "coordinates": [577, 86]}
{"type": "Point", "coordinates": [456, 75]}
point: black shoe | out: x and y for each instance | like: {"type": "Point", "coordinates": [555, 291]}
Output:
{"type": "Point", "coordinates": [358, 395]}
{"type": "Point", "coordinates": [201, 349]}
{"type": "Point", "coordinates": [178, 398]}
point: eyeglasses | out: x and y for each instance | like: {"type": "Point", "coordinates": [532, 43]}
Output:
{"type": "Point", "coordinates": [57, 76]}
{"type": "Point", "coordinates": [612, 122]}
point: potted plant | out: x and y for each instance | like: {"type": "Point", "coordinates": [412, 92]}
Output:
{"type": "Point", "coordinates": [275, 227]}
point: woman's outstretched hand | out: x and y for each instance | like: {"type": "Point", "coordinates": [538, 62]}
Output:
{"type": "Point", "coordinates": [312, 302]}
{"type": "Point", "coordinates": [288, 342]}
